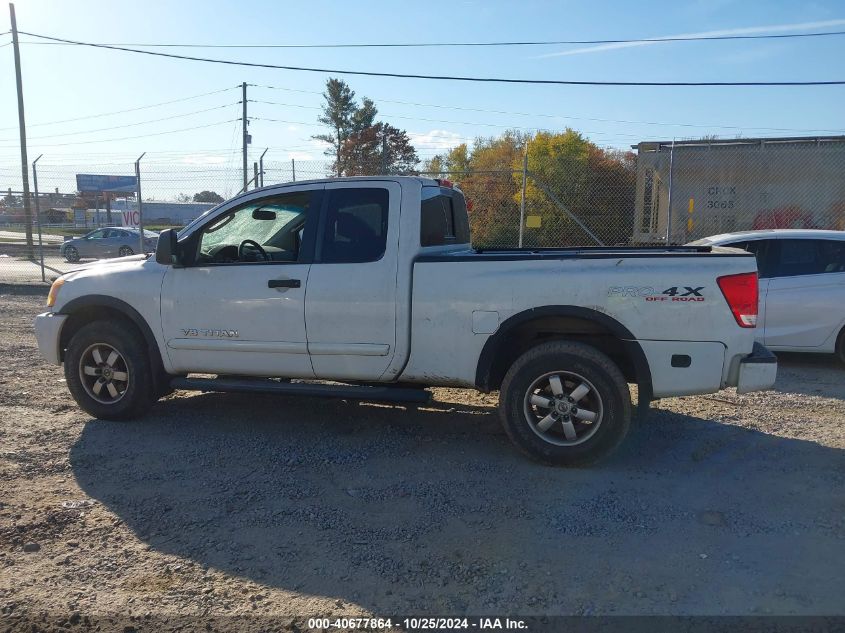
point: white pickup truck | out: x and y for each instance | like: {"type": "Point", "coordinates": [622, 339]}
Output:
{"type": "Point", "coordinates": [371, 283]}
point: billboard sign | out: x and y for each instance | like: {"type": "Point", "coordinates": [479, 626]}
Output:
{"type": "Point", "coordinates": [131, 218]}
{"type": "Point", "coordinates": [101, 183]}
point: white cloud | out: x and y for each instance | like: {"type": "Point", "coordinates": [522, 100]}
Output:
{"type": "Point", "coordinates": [435, 139]}
{"type": "Point", "coordinates": [750, 30]}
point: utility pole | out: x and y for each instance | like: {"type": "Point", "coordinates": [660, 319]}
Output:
{"type": "Point", "coordinates": [27, 209]}
{"type": "Point", "coordinates": [293, 169]}
{"type": "Point", "coordinates": [246, 134]}
{"type": "Point", "coordinates": [38, 214]}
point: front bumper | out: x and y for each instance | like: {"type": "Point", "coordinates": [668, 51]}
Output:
{"type": "Point", "coordinates": [48, 330]}
{"type": "Point", "coordinates": [757, 371]}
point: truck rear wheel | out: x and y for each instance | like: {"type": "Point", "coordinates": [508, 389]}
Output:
{"type": "Point", "coordinates": [108, 371]}
{"type": "Point", "coordinates": [565, 403]}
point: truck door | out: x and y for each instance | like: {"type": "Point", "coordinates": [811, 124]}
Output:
{"type": "Point", "coordinates": [350, 307]}
{"type": "Point", "coordinates": [238, 304]}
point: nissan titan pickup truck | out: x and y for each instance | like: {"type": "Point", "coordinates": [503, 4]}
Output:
{"type": "Point", "coordinates": [368, 288]}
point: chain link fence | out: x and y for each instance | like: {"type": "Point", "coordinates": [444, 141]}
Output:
{"type": "Point", "coordinates": [692, 189]}
{"type": "Point", "coordinates": [666, 193]}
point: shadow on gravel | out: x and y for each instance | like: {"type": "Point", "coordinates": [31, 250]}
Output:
{"type": "Point", "coordinates": [32, 289]}
{"type": "Point", "coordinates": [433, 511]}
{"type": "Point", "coordinates": [811, 374]}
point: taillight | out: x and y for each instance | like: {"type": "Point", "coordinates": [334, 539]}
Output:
{"type": "Point", "coordinates": [740, 292]}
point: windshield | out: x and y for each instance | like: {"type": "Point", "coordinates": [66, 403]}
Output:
{"type": "Point", "coordinates": [232, 229]}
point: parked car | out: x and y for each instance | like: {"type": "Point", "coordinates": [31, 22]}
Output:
{"type": "Point", "coordinates": [107, 242]}
{"type": "Point", "coordinates": [371, 283]}
{"type": "Point", "coordinates": [802, 287]}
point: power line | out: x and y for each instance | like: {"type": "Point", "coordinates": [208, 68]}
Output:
{"type": "Point", "coordinates": [336, 71]}
{"type": "Point", "coordinates": [433, 135]}
{"type": "Point", "coordinates": [549, 116]}
{"type": "Point", "coordinates": [117, 127]}
{"type": "Point", "coordinates": [127, 138]}
{"type": "Point", "coordinates": [679, 38]}
{"type": "Point", "coordinates": [145, 107]}
{"type": "Point", "coordinates": [408, 118]}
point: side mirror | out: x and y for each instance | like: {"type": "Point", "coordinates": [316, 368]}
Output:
{"type": "Point", "coordinates": [166, 249]}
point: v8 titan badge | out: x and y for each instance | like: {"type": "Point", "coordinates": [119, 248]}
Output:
{"type": "Point", "coordinates": [648, 293]}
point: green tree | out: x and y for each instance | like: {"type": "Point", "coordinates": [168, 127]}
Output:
{"type": "Point", "coordinates": [338, 112]}
{"type": "Point", "coordinates": [451, 164]}
{"type": "Point", "coordinates": [208, 196]}
{"type": "Point", "coordinates": [434, 165]}
{"type": "Point", "coordinates": [396, 153]}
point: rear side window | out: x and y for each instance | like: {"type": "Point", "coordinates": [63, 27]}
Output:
{"type": "Point", "coordinates": [833, 255]}
{"type": "Point", "coordinates": [761, 249]}
{"type": "Point", "coordinates": [443, 218]}
{"type": "Point", "coordinates": [356, 226]}
{"type": "Point", "coordinates": [808, 257]}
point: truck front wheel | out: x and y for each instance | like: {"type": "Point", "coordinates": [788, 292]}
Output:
{"type": "Point", "coordinates": [565, 403]}
{"type": "Point", "coordinates": [108, 371]}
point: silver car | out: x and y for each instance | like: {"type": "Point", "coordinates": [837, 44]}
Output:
{"type": "Point", "coordinates": [802, 287]}
{"type": "Point", "coordinates": [107, 242]}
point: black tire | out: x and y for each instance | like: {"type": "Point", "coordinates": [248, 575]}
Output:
{"type": "Point", "coordinates": [135, 394]}
{"type": "Point", "coordinates": [71, 254]}
{"type": "Point", "coordinates": [125, 251]}
{"type": "Point", "coordinates": [840, 346]}
{"type": "Point", "coordinates": [607, 398]}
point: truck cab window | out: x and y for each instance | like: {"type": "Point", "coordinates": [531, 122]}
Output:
{"type": "Point", "coordinates": [266, 230]}
{"type": "Point", "coordinates": [356, 226]}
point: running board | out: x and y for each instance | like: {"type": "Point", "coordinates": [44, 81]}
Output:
{"type": "Point", "coordinates": [264, 385]}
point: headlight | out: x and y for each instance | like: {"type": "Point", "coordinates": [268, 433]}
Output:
{"type": "Point", "coordinates": [54, 291]}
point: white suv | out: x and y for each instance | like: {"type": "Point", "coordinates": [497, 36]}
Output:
{"type": "Point", "coordinates": [802, 287]}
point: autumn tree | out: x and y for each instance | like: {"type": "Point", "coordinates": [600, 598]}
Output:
{"type": "Point", "coordinates": [571, 178]}
{"type": "Point", "coordinates": [361, 145]}
{"type": "Point", "coordinates": [484, 175]}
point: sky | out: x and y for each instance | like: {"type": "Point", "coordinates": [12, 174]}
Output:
{"type": "Point", "coordinates": [71, 82]}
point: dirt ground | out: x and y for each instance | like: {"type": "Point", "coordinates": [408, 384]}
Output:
{"type": "Point", "coordinates": [229, 505]}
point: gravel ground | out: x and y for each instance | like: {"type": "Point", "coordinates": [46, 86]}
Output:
{"type": "Point", "coordinates": [221, 505]}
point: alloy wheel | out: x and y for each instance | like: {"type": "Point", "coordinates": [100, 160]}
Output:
{"type": "Point", "coordinates": [104, 373]}
{"type": "Point", "coordinates": [563, 408]}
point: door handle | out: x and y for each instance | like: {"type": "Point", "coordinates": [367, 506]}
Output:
{"type": "Point", "coordinates": [284, 283]}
